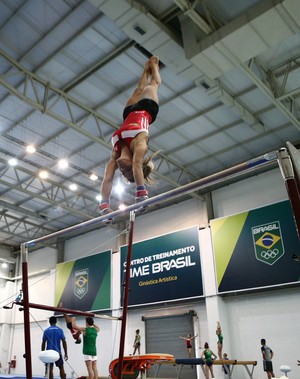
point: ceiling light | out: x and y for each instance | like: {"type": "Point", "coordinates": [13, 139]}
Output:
{"type": "Point", "coordinates": [13, 162]}
{"type": "Point", "coordinates": [63, 163]}
{"type": "Point", "coordinates": [93, 177]}
{"type": "Point", "coordinates": [73, 187]}
{"type": "Point", "coordinates": [30, 149]}
{"type": "Point", "coordinates": [119, 188]}
{"type": "Point", "coordinates": [4, 265]}
{"type": "Point", "coordinates": [43, 174]}
{"type": "Point", "coordinates": [99, 198]}
{"type": "Point", "coordinates": [122, 207]}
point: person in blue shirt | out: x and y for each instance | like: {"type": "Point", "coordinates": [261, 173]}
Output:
{"type": "Point", "coordinates": [53, 337]}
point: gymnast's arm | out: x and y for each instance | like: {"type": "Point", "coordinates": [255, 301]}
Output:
{"type": "Point", "coordinates": [77, 327]}
{"type": "Point", "coordinates": [64, 343]}
{"type": "Point", "coordinates": [109, 174]}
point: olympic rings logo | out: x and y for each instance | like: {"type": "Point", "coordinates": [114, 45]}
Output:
{"type": "Point", "coordinates": [270, 254]}
{"type": "Point", "coordinates": [80, 291]}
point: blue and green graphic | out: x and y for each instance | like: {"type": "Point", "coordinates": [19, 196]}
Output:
{"type": "Point", "coordinates": [84, 284]}
{"type": "Point", "coordinates": [165, 268]}
{"type": "Point", "coordinates": [254, 249]}
{"type": "Point", "coordinates": [268, 244]}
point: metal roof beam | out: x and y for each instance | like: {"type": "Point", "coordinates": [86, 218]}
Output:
{"type": "Point", "coordinates": [37, 100]}
{"type": "Point", "coordinates": [266, 90]}
{"type": "Point", "coordinates": [48, 195]}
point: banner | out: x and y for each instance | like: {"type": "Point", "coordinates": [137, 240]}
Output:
{"type": "Point", "coordinates": [254, 249]}
{"type": "Point", "coordinates": [84, 284]}
{"type": "Point", "coordinates": [165, 268]}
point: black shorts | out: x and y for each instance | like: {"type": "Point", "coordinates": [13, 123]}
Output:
{"type": "Point", "coordinates": [148, 105]}
{"type": "Point", "coordinates": [268, 366]}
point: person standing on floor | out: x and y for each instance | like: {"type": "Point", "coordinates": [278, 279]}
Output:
{"type": "Point", "coordinates": [208, 357]}
{"type": "Point", "coordinates": [137, 342]}
{"type": "Point", "coordinates": [90, 332]}
{"type": "Point", "coordinates": [225, 367]}
{"type": "Point", "coordinates": [52, 339]}
{"type": "Point", "coordinates": [267, 355]}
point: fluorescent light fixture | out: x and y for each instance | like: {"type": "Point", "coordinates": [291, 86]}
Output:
{"type": "Point", "coordinates": [73, 187]}
{"type": "Point", "coordinates": [43, 174]}
{"type": "Point", "coordinates": [13, 162]}
{"type": "Point", "coordinates": [63, 163]}
{"type": "Point", "coordinates": [122, 207]}
{"type": "Point", "coordinates": [30, 149]}
{"type": "Point", "coordinates": [93, 177]}
{"type": "Point", "coordinates": [119, 188]}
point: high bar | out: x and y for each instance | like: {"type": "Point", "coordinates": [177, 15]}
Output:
{"type": "Point", "coordinates": [57, 309]}
{"type": "Point", "coordinates": [68, 310]}
{"type": "Point", "coordinates": [232, 172]}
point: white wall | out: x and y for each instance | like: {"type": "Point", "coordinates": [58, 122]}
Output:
{"type": "Point", "coordinates": [255, 192]}
{"type": "Point", "coordinates": [270, 315]}
{"type": "Point", "coordinates": [245, 319]}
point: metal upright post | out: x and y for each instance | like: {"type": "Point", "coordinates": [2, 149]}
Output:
{"type": "Point", "coordinates": [126, 295]}
{"type": "Point", "coordinates": [287, 172]}
{"type": "Point", "coordinates": [24, 260]}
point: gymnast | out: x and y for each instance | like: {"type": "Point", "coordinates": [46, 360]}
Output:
{"type": "Point", "coordinates": [75, 332]}
{"type": "Point", "coordinates": [137, 342]}
{"type": "Point", "coordinates": [188, 340]}
{"type": "Point", "coordinates": [209, 357]}
{"type": "Point", "coordinates": [130, 141]}
{"type": "Point", "coordinates": [220, 340]}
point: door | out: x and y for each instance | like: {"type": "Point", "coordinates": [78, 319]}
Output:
{"type": "Point", "coordinates": [162, 336]}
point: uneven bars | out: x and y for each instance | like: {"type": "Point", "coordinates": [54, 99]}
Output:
{"type": "Point", "coordinates": [67, 310]}
{"type": "Point", "coordinates": [126, 296]}
{"type": "Point", "coordinates": [287, 171]}
{"type": "Point", "coordinates": [54, 309]}
{"type": "Point", "coordinates": [216, 178]}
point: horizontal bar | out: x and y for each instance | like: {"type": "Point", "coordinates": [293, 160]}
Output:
{"type": "Point", "coordinates": [232, 172]}
{"type": "Point", "coordinates": [70, 311]}
{"type": "Point", "coordinates": [57, 309]}
{"type": "Point", "coordinates": [200, 361]}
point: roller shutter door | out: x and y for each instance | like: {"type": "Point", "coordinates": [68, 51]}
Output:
{"type": "Point", "coordinates": [162, 336]}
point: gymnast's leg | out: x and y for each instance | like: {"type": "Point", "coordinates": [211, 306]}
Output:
{"type": "Point", "coordinates": [142, 83]}
{"type": "Point", "coordinates": [139, 146]}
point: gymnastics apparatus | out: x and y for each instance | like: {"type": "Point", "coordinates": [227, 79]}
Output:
{"type": "Point", "coordinates": [289, 164]}
{"type": "Point", "coordinates": [129, 367]}
{"type": "Point", "coordinates": [134, 365]}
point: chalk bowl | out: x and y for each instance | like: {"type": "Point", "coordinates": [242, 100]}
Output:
{"type": "Point", "coordinates": [49, 356]}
